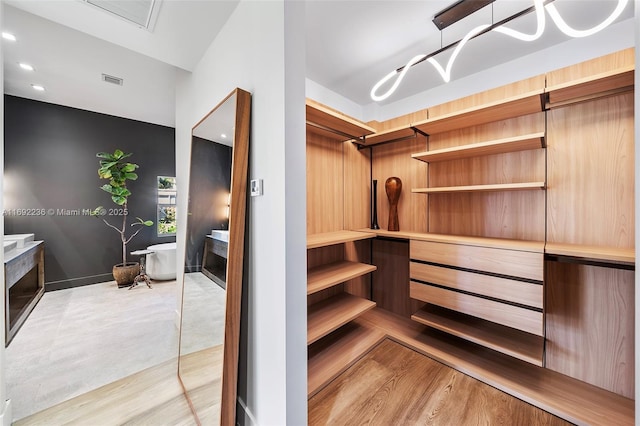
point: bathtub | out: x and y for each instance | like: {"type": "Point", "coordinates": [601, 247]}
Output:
{"type": "Point", "coordinates": [161, 264]}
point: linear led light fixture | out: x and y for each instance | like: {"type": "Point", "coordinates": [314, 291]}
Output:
{"type": "Point", "coordinates": [540, 6]}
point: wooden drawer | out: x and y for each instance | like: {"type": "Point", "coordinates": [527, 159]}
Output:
{"type": "Point", "coordinates": [512, 316]}
{"type": "Point", "coordinates": [522, 264]}
{"type": "Point", "coordinates": [524, 293]}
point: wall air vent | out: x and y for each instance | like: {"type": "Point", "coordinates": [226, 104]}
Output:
{"type": "Point", "coordinates": [111, 79]}
{"type": "Point", "coordinates": [142, 13]}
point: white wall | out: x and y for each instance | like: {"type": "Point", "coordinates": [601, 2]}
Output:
{"type": "Point", "coordinates": [261, 50]}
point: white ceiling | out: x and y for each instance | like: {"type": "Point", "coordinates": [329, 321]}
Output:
{"type": "Point", "coordinates": [351, 44]}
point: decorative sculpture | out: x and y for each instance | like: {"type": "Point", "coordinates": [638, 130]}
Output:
{"type": "Point", "coordinates": [393, 186]}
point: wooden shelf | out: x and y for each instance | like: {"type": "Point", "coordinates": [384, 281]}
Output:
{"type": "Point", "coordinates": [501, 243]}
{"type": "Point", "coordinates": [517, 143]}
{"type": "Point", "coordinates": [518, 344]}
{"type": "Point", "coordinates": [482, 188]}
{"type": "Point", "coordinates": [343, 126]}
{"type": "Point", "coordinates": [332, 355]}
{"type": "Point", "coordinates": [338, 237]}
{"type": "Point", "coordinates": [595, 86]}
{"type": "Point", "coordinates": [389, 135]}
{"type": "Point", "coordinates": [330, 314]}
{"type": "Point", "coordinates": [593, 253]}
{"type": "Point", "coordinates": [571, 399]}
{"type": "Point", "coordinates": [516, 106]}
{"type": "Point", "coordinates": [325, 276]}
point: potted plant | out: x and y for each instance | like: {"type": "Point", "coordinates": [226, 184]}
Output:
{"type": "Point", "coordinates": [118, 171]}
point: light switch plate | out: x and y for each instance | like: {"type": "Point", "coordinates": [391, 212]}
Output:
{"type": "Point", "coordinates": [256, 187]}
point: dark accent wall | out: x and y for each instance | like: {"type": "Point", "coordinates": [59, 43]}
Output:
{"type": "Point", "coordinates": [209, 184]}
{"type": "Point", "coordinates": [50, 166]}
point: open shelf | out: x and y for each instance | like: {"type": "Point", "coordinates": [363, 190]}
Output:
{"type": "Point", "coordinates": [328, 120]}
{"type": "Point", "coordinates": [329, 314]}
{"type": "Point", "coordinates": [594, 86]}
{"type": "Point", "coordinates": [525, 346]}
{"type": "Point", "coordinates": [515, 106]}
{"type": "Point", "coordinates": [623, 256]}
{"type": "Point", "coordinates": [337, 237]}
{"type": "Point", "coordinates": [325, 276]}
{"type": "Point", "coordinates": [501, 243]}
{"type": "Point", "coordinates": [482, 188]}
{"type": "Point", "coordinates": [391, 135]}
{"type": "Point", "coordinates": [571, 399]}
{"type": "Point", "coordinates": [332, 355]}
{"type": "Point", "coordinates": [517, 143]}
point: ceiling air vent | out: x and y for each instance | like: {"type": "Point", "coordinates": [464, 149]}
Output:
{"type": "Point", "coordinates": [111, 79]}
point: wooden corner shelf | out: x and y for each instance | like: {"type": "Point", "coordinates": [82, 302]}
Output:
{"type": "Point", "coordinates": [391, 135]}
{"type": "Point", "coordinates": [515, 106]}
{"type": "Point", "coordinates": [328, 120]}
{"type": "Point", "coordinates": [623, 256]}
{"type": "Point", "coordinates": [603, 84]}
{"type": "Point", "coordinates": [571, 399]}
{"type": "Point", "coordinates": [482, 188]}
{"type": "Point", "coordinates": [525, 346]}
{"type": "Point", "coordinates": [332, 355]}
{"type": "Point", "coordinates": [513, 144]}
{"type": "Point", "coordinates": [325, 276]}
{"type": "Point", "coordinates": [330, 314]}
{"type": "Point", "coordinates": [337, 237]}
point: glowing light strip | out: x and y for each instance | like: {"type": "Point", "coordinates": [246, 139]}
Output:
{"type": "Point", "coordinates": [541, 22]}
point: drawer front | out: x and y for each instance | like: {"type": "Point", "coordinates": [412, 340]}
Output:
{"type": "Point", "coordinates": [220, 248]}
{"type": "Point", "coordinates": [524, 293]}
{"type": "Point", "coordinates": [512, 316]}
{"type": "Point", "coordinates": [513, 263]}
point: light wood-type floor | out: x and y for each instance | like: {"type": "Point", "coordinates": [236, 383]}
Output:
{"type": "Point", "coordinates": [151, 397]}
{"type": "Point", "coordinates": [395, 385]}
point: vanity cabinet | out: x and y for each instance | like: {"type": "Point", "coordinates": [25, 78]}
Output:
{"type": "Point", "coordinates": [24, 285]}
{"type": "Point", "coordinates": [515, 259]}
{"type": "Point", "coordinates": [214, 260]}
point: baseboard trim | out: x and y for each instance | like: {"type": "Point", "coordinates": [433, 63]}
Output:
{"type": "Point", "coordinates": [6, 417]}
{"type": "Point", "coordinates": [77, 282]}
{"type": "Point", "coordinates": [244, 417]}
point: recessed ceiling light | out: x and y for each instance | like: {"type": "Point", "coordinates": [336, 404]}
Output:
{"type": "Point", "coordinates": [38, 87]}
{"type": "Point", "coordinates": [25, 67]}
{"type": "Point", "coordinates": [223, 136]}
{"type": "Point", "coordinates": [8, 36]}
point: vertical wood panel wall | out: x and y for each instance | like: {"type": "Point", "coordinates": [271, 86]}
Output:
{"type": "Point", "coordinates": [394, 159]}
{"type": "Point", "coordinates": [591, 173]}
{"type": "Point", "coordinates": [516, 215]}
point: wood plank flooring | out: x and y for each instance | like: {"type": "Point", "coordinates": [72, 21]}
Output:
{"type": "Point", "coordinates": [393, 384]}
{"type": "Point", "coordinates": [151, 397]}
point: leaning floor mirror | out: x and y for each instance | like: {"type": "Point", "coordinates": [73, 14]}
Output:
{"type": "Point", "coordinates": [212, 291]}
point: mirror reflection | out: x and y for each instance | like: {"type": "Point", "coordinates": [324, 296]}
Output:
{"type": "Point", "coordinates": [215, 228]}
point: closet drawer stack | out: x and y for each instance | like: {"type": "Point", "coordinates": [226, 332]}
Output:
{"type": "Point", "coordinates": [487, 293]}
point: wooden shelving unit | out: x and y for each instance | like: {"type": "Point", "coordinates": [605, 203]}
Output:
{"type": "Point", "coordinates": [525, 346]}
{"type": "Point", "coordinates": [335, 353]}
{"type": "Point", "coordinates": [391, 135]}
{"type": "Point", "coordinates": [330, 314]}
{"type": "Point", "coordinates": [482, 188]}
{"type": "Point", "coordinates": [334, 123]}
{"type": "Point", "coordinates": [325, 276]}
{"type": "Point", "coordinates": [571, 399]}
{"type": "Point", "coordinates": [511, 107]}
{"type": "Point", "coordinates": [338, 237]}
{"type": "Point", "coordinates": [612, 255]}
{"type": "Point", "coordinates": [598, 85]}
{"type": "Point", "coordinates": [513, 144]}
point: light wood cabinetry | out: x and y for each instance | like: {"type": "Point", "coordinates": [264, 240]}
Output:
{"type": "Point", "coordinates": [515, 259]}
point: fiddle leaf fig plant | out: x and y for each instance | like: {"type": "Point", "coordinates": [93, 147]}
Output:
{"type": "Point", "coordinates": [115, 168]}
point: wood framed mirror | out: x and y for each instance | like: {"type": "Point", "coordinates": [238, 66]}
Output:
{"type": "Point", "coordinates": [212, 290]}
